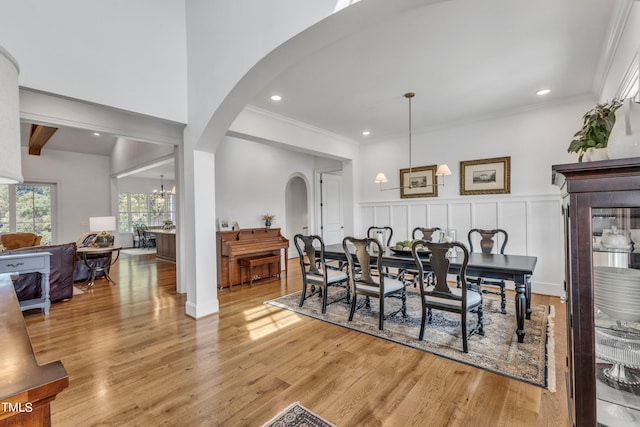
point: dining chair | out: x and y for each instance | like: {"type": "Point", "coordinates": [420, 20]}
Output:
{"type": "Point", "coordinates": [427, 233]}
{"type": "Point", "coordinates": [316, 274]}
{"type": "Point", "coordinates": [437, 294]}
{"type": "Point", "coordinates": [364, 257]}
{"type": "Point", "coordinates": [487, 242]}
{"type": "Point", "coordinates": [387, 233]}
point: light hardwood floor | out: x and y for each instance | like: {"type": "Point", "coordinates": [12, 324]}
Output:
{"type": "Point", "coordinates": [135, 358]}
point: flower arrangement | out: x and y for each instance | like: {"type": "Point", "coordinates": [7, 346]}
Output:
{"type": "Point", "coordinates": [268, 217]}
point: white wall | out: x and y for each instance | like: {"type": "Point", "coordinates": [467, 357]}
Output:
{"type": "Point", "coordinates": [128, 154]}
{"type": "Point", "coordinates": [126, 54]}
{"type": "Point", "coordinates": [534, 139]}
{"type": "Point", "coordinates": [83, 187]}
{"type": "Point", "coordinates": [251, 180]}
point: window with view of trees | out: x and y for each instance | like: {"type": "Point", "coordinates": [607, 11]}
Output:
{"type": "Point", "coordinates": [142, 208]}
{"type": "Point", "coordinates": [28, 207]}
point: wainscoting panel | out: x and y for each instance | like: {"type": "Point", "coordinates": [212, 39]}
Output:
{"type": "Point", "coordinates": [438, 215]}
{"type": "Point", "coordinates": [485, 215]}
{"type": "Point", "coordinates": [400, 220]}
{"type": "Point", "coordinates": [513, 219]}
{"type": "Point", "coordinates": [534, 225]}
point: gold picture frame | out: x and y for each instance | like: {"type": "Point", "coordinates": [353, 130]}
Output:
{"type": "Point", "coordinates": [485, 176]}
{"type": "Point", "coordinates": [423, 182]}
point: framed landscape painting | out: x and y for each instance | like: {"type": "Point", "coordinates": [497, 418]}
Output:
{"type": "Point", "coordinates": [485, 176]}
{"type": "Point", "coordinates": [420, 183]}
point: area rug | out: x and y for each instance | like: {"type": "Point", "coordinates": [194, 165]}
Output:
{"type": "Point", "coordinates": [497, 351]}
{"type": "Point", "coordinates": [296, 415]}
{"type": "Point", "coordinates": [139, 251]}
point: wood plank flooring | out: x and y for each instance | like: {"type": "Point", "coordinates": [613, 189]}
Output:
{"type": "Point", "coordinates": [134, 358]}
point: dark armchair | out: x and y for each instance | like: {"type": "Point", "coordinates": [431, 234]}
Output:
{"type": "Point", "coordinates": [436, 293]}
{"type": "Point", "coordinates": [487, 243]}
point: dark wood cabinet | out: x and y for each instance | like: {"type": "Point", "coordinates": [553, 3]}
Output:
{"type": "Point", "coordinates": [601, 201]}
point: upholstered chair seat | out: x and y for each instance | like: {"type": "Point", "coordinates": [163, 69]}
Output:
{"type": "Point", "coordinates": [19, 240]}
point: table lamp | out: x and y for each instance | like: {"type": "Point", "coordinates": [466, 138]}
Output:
{"type": "Point", "coordinates": [103, 225]}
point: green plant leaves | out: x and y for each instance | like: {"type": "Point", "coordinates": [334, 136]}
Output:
{"type": "Point", "coordinates": [596, 127]}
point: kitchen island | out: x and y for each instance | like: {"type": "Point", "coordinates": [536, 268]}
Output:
{"type": "Point", "coordinates": [166, 244]}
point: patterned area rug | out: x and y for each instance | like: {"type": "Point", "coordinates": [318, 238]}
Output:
{"type": "Point", "coordinates": [296, 415]}
{"type": "Point", "coordinates": [497, 351]}
{"type": "Point", "coordinates": [139, 251]}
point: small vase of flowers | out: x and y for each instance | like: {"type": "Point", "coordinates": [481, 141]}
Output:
{"type": "Point", "coordinates": [268, 219]}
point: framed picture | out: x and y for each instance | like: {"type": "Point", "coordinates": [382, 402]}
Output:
{"type": "Point", "coordinates": [485, 176]}
{"type": "Point", "coordinates": [223, 225]}
{"type": "Point", "coordinates": [235, 226]}
{"type": "Point", "coordinates": [420, 183]}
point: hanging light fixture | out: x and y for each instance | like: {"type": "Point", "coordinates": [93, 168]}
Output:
{"type": "Point", "coordinates": [162, 193]}
{"type": "Point", "coordinates": [442, 170]}
{"type": "Point", "coordinates": [10, 163]}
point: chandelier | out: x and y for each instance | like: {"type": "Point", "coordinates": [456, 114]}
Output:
{"type": "Point", "coordinates": [162, 193]}
{"type": "Point", "coordinates": [442, 170]}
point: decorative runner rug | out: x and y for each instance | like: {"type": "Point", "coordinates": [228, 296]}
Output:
{"type": "Point", "coordinates": [296, 415]}
{"type": "Point", "coordinates": [497, 351]}
{"type": "Point", "coordinates": [139, 251]}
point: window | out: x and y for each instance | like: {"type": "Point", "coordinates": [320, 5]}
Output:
{"type": "Point", "coordinates": [28, 207]}
{"type": "Point", "coordinates": [142, 208]}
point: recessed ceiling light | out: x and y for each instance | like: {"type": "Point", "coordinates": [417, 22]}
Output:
{"type": "Point", "coordinates": [96, 133]}
{"type": "Point", "coordinates": [276, 97]}
{"type": "Point", "coordinates": [366, 133]}
{"type": "Point", "coordinates": [543, 92]}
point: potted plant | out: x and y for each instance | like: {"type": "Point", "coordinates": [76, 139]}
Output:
{"type": "Point", "coordinates": [596, 127]}
{"type": "Point", "coordinates": [268, 219]}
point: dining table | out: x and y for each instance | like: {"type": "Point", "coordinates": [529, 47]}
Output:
{"type": "Point", "coordinates": [515, 268]}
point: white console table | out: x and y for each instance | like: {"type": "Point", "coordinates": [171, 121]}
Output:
{"type": "Point", "coordinates": [37, 262]}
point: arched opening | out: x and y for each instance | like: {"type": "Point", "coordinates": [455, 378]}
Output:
{"type": "Point", "coordinates": [297, 210]}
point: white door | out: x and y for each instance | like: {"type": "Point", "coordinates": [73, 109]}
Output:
{"type": "Point", "coordinates": [331, 209]}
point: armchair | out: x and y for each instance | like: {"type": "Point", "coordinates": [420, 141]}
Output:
{"type": "Point", "coordinates": [487, 242]}
{"type": "Point", "coordinates": [19, 240]}
{"type": "Point", "coordinates": [436, 293]}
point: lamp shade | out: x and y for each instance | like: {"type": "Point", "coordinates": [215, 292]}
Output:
{"type": "Point", "coordinates": [10, 163]}
{"type": "Point", "coordinates": [443, 170]}
{"type": "Point", "coordinates": [102, 223]}
{"type": "Point", "coordinates": [380, 178]}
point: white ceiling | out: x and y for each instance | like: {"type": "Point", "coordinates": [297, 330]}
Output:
{"type": "Point", "coordinates": [464, 59]}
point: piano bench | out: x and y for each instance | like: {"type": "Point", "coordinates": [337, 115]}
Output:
{"type": "Point", "coordinates": [256, 261]}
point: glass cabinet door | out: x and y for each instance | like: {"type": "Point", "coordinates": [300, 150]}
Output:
{"type": "Point", "coordinates": [616, 293]}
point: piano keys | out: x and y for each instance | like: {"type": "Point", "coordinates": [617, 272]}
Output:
{"type": "Point", "coordinates": [247, 242]}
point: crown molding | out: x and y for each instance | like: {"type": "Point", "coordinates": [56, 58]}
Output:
{"type": "Point", "coordinates": [617, 24]}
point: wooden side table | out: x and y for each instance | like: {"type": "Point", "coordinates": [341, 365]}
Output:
{"type": "Point", "coordinates": [37, 262]}
{"type": "Point", "coordinates": [88, 253]}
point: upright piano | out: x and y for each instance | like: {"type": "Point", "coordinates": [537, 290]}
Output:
{"type": "Point", "coordinates": [244, 243]}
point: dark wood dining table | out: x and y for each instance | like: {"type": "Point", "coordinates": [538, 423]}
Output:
{"type": "Point", "coordinates": [516, 268]}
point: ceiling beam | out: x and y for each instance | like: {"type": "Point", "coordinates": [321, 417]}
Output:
{"type": "Point", "coordinates": [39, 136]}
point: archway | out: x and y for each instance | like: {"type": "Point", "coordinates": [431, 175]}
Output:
{"type": "Point", "coordinates": [297, 210]}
